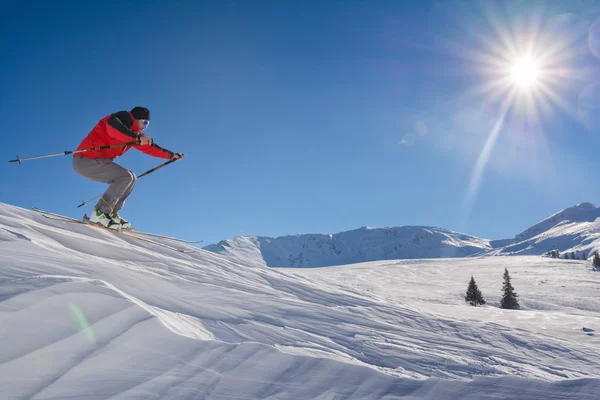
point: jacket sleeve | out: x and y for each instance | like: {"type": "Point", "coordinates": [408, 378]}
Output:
{"type": "Point", "coordinates": [155, 151]}
{"type": "Point", "coordinates": [117, 127]}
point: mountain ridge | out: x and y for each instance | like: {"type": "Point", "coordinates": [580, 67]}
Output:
{"type": "Point", "coordinates": [573, 229]}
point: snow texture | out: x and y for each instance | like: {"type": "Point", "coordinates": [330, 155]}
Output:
{"type": "Point", "coordinates": [85, 313]}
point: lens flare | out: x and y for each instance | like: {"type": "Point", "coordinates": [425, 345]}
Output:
{"type": "Point", "coordinates": [482, 160]}
{"type": "Point", "coordinates": [588, 103]}
{"type": "Point", "coordinates": [594, 38]}
{"type": "Point", "coordinates": [82, 323]}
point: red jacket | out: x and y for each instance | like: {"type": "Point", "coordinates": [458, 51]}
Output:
{"type": "Point", "coordinates": [119, 127]}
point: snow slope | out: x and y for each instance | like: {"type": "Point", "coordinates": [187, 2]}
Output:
{"type": "Point", "coordinates": [85, 313]}
{"type": "Point", "coordinates": [573, 230]}
{"type": "Point", "coordinates": [364, 244]}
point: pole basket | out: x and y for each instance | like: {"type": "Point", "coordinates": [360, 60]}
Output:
{"type": "Point", "coordinates": [17, 160]}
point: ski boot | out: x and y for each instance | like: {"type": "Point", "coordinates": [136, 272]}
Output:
{"type": "Point", "coordinates": [125, 225]}
{"type": "Point", "coordinates": [105, 219]}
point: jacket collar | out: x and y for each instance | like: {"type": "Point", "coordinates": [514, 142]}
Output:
{"type": "Point", "coordinates": [134, 125]}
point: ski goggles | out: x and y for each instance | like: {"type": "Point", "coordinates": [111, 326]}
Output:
{"type": "Point", "coordinates": [145, 122]}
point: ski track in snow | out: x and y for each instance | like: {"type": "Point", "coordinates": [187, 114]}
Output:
{"type": "Point", "coordinates": [88, 314]}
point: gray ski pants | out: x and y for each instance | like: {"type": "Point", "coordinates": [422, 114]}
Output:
{"type": "Point", "coordinates": [105, 170]}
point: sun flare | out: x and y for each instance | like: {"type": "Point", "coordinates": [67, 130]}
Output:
{"type": "Point", "coordinates": [524, 72]}
{"type": "Point", "coordinates": [525, 66]}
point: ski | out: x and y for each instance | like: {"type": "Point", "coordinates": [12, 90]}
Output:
{"type": "Point", "coordinates": [58, 217]}
{"type": "Point", "coordinates": [133, 231]}
{"type": "Point", "coordinates": [165, 237]}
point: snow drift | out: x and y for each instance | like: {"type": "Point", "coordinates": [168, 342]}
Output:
{"type": "Point", "coordinates": [85, 313]}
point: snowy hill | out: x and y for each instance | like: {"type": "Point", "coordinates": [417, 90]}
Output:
{"type": "Point", "coordinates": [365, 244]}
{"type": "Point", "coordinates": [573, 230]}
{"type": "Point", "coordinates": [86, 313]}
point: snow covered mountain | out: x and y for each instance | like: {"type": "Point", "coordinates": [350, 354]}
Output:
{"type": "Point", "coordinates": [364, 244]}
{"type": "Point", "coordinates": [86, 313]}
{"type": "Point", "coordinates": [573, 230]}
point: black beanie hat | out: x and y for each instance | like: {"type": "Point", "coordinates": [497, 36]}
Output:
{"type": "Point", "coordinates": [140, 113]}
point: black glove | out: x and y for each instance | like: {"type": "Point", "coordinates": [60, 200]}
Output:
{"type": "Point", "coordinates": [145, 139]}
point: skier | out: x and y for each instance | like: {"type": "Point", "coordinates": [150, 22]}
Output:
{"type": "Point", "coordinates": [120, 127]}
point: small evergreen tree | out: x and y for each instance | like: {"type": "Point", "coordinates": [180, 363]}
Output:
{"type": "Point", "coordinates": [474, 296]}
{"type": "Point", "coordinates": [509, 296]}
{"type": "Point", "coordinates": [596, 261]}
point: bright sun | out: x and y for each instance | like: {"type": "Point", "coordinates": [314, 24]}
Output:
{"type": "Point", "coordinates": [524, 72]}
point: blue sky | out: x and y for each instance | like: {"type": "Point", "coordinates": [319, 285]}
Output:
{"type": "Point", "coordinates": [308, 117]}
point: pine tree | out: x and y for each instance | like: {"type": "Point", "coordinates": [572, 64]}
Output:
{"type": "Point", "coordinates": [596, 261]}
{"type": "Point", "coordinates": [474, 296]}
{"type": "Point", "coordinates": [509, 296]}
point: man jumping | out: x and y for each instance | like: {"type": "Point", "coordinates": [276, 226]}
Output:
{"type": "Point", "coordinates": [120, 127]}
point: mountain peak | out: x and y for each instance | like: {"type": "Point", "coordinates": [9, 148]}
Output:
{"type": "Point", "coordinates": [585, 206]}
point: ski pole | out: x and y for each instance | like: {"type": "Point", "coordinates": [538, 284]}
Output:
{"type": "Point", "coordinates": [159, 167]}
{"type": "Point", "coordinates": [64, 153]}
{"type": "Point", "coordinates": [139, 176]}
